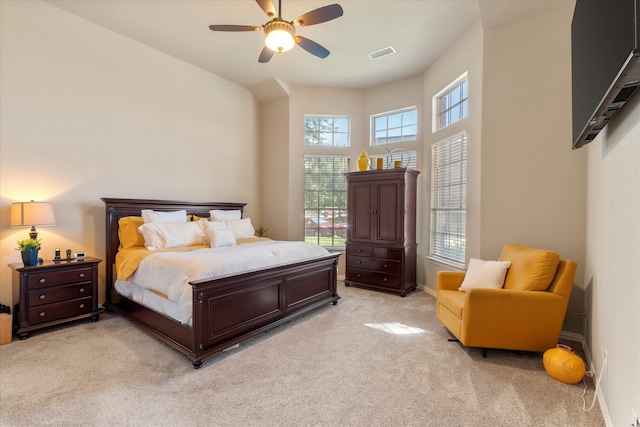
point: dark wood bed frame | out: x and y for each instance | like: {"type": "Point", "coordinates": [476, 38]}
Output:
{"type": "Point", "coordinates": [226, 310]}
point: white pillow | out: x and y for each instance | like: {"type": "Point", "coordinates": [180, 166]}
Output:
{"type": "Point", "coordinates": [222, 237]}
{"type": "Point", "coordinates": [165, 235]}
{"type": "Point", "coordinates": [212, 225]}
{"type": "Point", "coordinates": [219, 215]}
{"type": "Point", "coordinates": [485, 274]}
{"type": "Point", "coordinates": [149, 215]}
{"type": "Point", "coordinates": [241, 228]}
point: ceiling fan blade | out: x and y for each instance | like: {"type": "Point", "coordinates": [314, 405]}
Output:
{"type": "Point", "coordinates": [268, 7]}
{"type": "Point", "coordinates": [265, 55]}
{"type": "Point", "coordinates": [317, 16]}
{"type": "Point", "coordinates": [234, 28]}
{"type": "Point", "coordinates": [312, 47]}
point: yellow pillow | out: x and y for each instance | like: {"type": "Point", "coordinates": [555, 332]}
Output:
{"type": "Point", "coordinates": [531, 269]}
{"type": "Point", "coordinates": [128, 232]}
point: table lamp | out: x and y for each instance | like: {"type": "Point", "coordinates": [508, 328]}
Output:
{"type": "Point", "coordinates": [30, 214]}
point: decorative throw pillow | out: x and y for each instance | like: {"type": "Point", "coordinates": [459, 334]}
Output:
{"type": "Point", "coordinates": [149, 215]}
{"type": "Point", "coordinates": [531, 269]}
{"type": "Point", "coordinates": [484, 274]}
{"type": "Point", "coordinates": [221, 237]}
{"type": "Point", "coordinates": [241, 228]}
{"type": "Point", "coordinates": [219, 215]}
{"type": "Point", "coordinates": [165, 235]}
{"type": "Point", "coordinates": [128, 232]}
{"type": "Point", "coordinates": [211, 225]}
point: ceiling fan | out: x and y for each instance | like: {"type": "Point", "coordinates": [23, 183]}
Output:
{"type": "Point", "coordinates": [281, 34]}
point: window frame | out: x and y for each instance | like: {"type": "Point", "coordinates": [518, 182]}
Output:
{"type": "Point", "coordinates": [333, 132]}
{"type": "Point", "coordinates": [402, 137]}
{"type": "Point", "coordinates": [463, 102]}
{"type": "Point", "coordinates": [338, 213]}
{"type": "Point", "coordinates": [443, 197]}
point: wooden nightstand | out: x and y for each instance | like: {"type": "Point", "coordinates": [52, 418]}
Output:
{"type": "Point", "coordinates": [55, 292]}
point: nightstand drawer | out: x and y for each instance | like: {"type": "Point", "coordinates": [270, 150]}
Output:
{"type": "Point", "coordinates": [50, 312]}
{"type": "Point", "coordinates": [63, 277]}
{"type": "Point", "coordinates": [60, 293]}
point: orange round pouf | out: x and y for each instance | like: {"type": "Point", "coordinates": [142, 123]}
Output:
{"type": "Point", "coordinates": [563, 365]}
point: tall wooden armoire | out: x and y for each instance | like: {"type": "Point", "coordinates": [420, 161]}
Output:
{"type": "Point", "coordinates": [381, 236]}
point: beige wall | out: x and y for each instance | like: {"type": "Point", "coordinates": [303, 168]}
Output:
{"type": "Point", "coordinates": [86, 113]}
{"type": "Point", "coordinates": [533, 186]}
{"type": "Point", "coordinates": [612, 264]}
{"type": "Point", "coordinates": [466, 55]}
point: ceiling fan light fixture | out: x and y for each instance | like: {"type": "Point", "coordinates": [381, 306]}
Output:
{"type": "Point", "coordinates": [279, 35]}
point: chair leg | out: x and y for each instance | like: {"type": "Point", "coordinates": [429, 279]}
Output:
{"type": "Point", "coordinates": [453, 340]}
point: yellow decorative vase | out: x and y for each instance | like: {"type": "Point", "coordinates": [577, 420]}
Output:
{"type": "Point", "coordinates": [363, 161]}
{"type": "Point", "coordinates": [563, 365]}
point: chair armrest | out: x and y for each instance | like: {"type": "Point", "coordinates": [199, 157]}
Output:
{"type": "Point", "coordinates": [449, 280]}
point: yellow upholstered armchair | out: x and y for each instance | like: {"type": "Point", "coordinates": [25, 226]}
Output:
{"type": "Point", "coordinates": [525, 311]}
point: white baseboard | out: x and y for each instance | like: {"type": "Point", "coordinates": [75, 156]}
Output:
{"type": "Point", "coordinates": [601, 401]}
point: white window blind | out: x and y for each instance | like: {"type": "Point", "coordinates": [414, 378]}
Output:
{"type": "Point", "coordinates": [449, 199]}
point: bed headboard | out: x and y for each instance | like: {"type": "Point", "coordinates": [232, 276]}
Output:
{"type": "Point", "coordinates": [118, 208]}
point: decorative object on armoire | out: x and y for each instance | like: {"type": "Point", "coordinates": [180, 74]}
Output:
{"type": "Point", "coordinates": [29, 251]}
{"type": "Point", "coordinates": [281, 34]}
{"type": "Point", "coordinates": [30, 214]}
{"type": "Point", "coordinates": [381, 238]}
{"type": "Point", "coordinates": [564, 365]}
{"type": "Point", "coordinates": [363, 161]}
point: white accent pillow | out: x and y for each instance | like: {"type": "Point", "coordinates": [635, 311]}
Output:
{"type": "Point", "coordinates": [165, 235]}
{"type": "Point", "coordinates": [485, 274]}
{"type": "Point", "coordinates": [219, 215]}
{"type": "Point", "coordinates": [149, 215]}
{"type": "Point", "coordinates": [222, 237]}
{"type": "Point", "coordinates": [212, 225]}
{"type": "Point", "coordinates": [242, 228]}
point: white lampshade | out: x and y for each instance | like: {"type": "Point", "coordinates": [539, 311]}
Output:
{"type": "Point", "coordinates": [279, 36]}
{"type": "Point", "coordinates": [30, 214]}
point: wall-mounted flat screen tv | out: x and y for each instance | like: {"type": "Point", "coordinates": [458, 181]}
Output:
{"type": "Point", "coordinates": [605, 60]}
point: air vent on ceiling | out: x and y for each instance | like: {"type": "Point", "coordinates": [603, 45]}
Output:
{"type": "Point", "coordinates": [382, 52]}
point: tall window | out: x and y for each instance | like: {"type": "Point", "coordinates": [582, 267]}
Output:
{"type": "Point", "coordinates": [451, 104]}
{"type": "Point", "coordinates": [394, 126]}
{"type": "Point", "coordinates": [330, 131]}
{"type": "Point", "coordinates": [449, 199]}
{"type": "Point", "coordinates": [325, 200]}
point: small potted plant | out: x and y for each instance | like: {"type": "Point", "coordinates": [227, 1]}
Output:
{"type": "Point", "coordinates": [261, 231]}
{"type": "Point", "coordinates": [29, 250]}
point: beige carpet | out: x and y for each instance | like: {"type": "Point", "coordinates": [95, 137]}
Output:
{"type": "Point", "coordinates": [339, 366]}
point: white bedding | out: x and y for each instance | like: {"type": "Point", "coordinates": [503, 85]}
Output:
{"type": "Point", "coordinates": [171, 272]}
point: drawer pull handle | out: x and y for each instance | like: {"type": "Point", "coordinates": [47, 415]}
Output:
{"type": "Point", "coordinates": [359, 262]}
{"type": "Point", "coordinates": [358, 274]}
{"type": "Point", "coordinates": [81, 305]}
{"type": "Point", "coordinates": [42, 314]}
{"type": "Point", "coordinates": [43, 296]}
{"type": "Point", "coordinates": [81, 290]}
{"type": "Point", "coordinates": [385, 279]}
{"type": "Point", "coordinates": [385, 266]}
{"type": "Point", "coordinates": [81, 275]}
{"type": "Point", "coordinates": [43, 280]}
